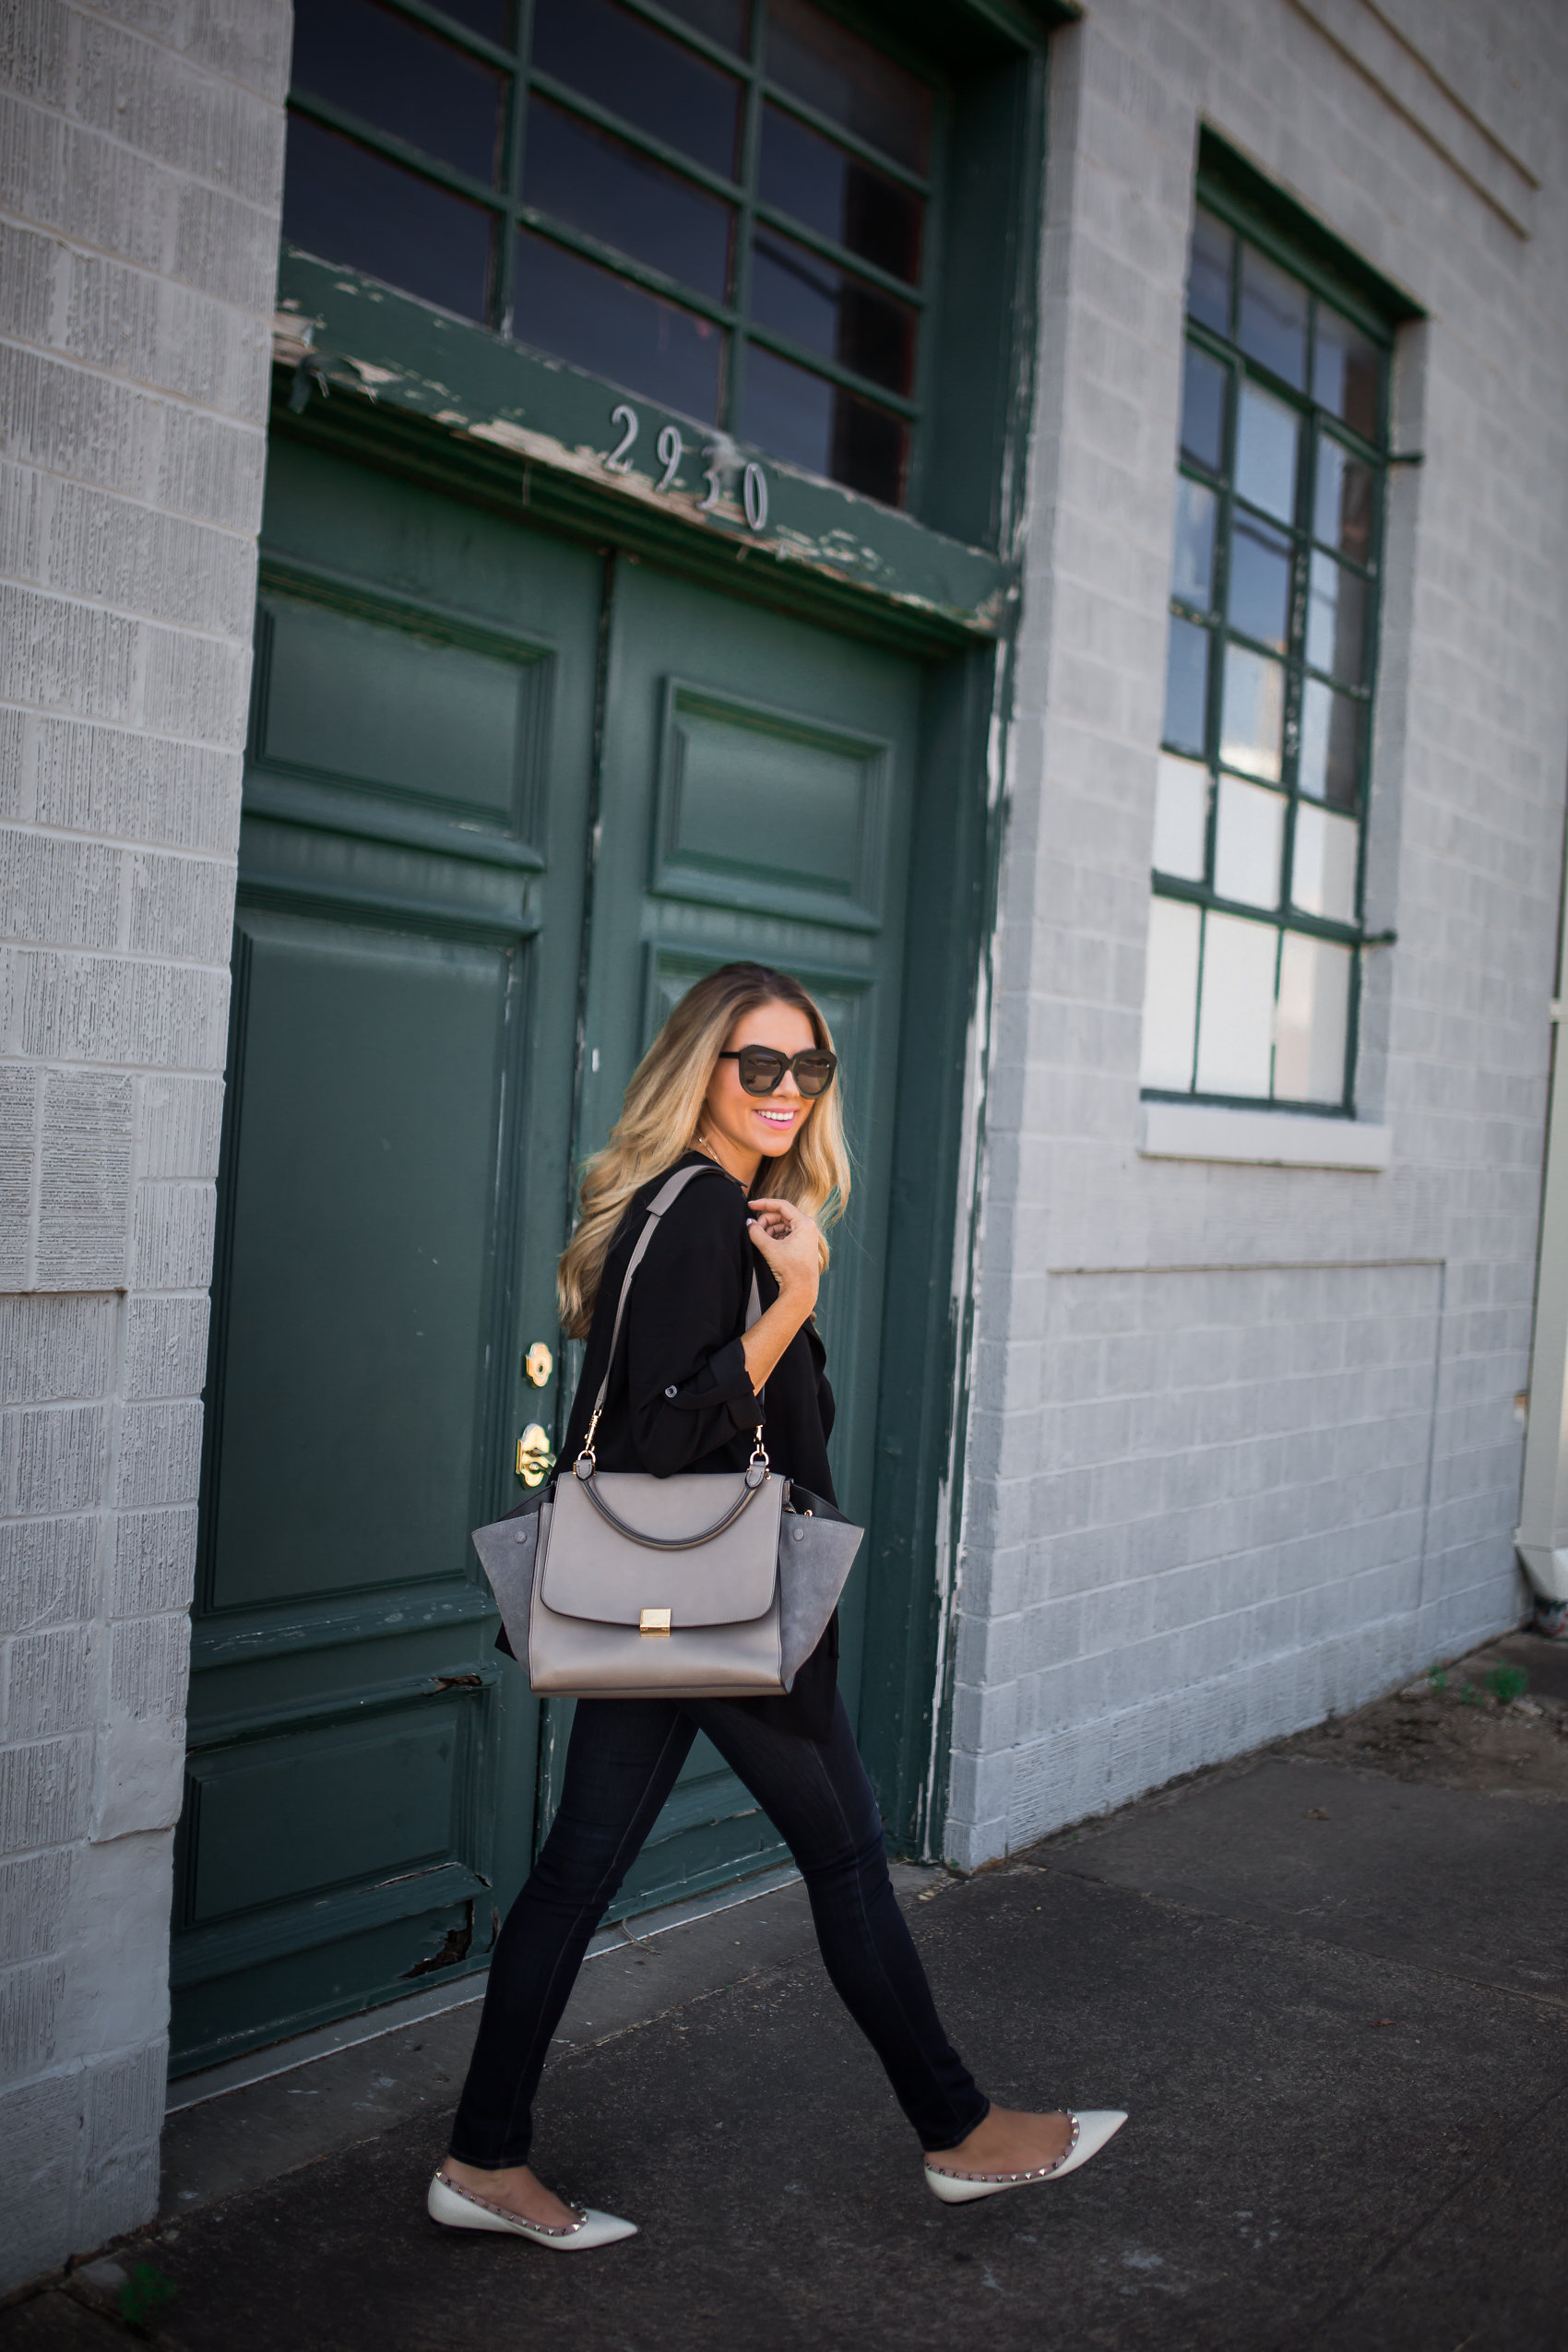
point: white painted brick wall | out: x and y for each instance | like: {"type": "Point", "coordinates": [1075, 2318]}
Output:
{"type": "Point", "coordinates": [140, 170]}
{"type": "Point", "coordinates": [1243, 1445]}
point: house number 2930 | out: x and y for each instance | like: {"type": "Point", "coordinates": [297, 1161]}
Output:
{"type": "Point", "coordinates": [671, 449]}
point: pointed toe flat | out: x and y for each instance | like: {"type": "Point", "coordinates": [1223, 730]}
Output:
{"type": "Point", "coordinates": [1090, 2132]}
{"type": "Point", "coordinates": [453, 2208]}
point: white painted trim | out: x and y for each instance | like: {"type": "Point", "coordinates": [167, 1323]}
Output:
{"type": "Point", "coordinates": [1262, 1139]}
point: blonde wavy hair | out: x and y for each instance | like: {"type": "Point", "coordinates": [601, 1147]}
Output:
{"type": "Point", "coordinates": [661, 1115]}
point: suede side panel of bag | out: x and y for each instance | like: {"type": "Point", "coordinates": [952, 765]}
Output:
{"type": "Point", "coordinates": [508, 1551]}
{"type": "Point", "coordinates": [817, 1550]}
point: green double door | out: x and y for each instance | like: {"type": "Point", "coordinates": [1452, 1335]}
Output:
{"type": "Point", "coordinates": [508, 795]}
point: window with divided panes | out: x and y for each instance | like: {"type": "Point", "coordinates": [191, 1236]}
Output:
{"type": "Point", "coordinates": [1255, 925]}
{"type": "Point", "coordinates": [720, 205]}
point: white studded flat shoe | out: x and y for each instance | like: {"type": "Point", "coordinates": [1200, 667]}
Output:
{"type": "Point", "coordinates": [456, 2209]}
{"type": "Point", "coordinates": [1090, 2132]}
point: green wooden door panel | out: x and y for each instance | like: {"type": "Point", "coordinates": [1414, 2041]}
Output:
{"type": "Point", "coordinates": [390, 541]}
{"type": "Point", "coordinates": [397, 1782]}
{"type": "Point", "coordinates": [294, 862]}
{"type": "Point", "coordinates": [361, 1800]}
{"type": "Point", "coordinates": [729, 771]}
{"type": "Point", "coordinates": [443, 716]}
{"type": "Point", "coordinates": [757, 789]}
{"type": "Point", "coordinates": [360, 1274]}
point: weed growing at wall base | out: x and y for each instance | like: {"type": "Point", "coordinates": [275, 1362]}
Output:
{"type": "Point", "coordinates": [146, 2292]}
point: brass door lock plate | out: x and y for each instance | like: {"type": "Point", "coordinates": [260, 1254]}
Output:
{"type": "Point", "coordinates": [538, 1364]}
{"type": "Point", "coordinates": [535, 1458]}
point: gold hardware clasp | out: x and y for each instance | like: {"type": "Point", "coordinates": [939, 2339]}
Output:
{"type": "Point", "coordinates": [654, 1620]}
{"type": "Point", "coordinates": [535, 1458]}
{"type": "Point", "coordinates": [538, 1364]}
{"type": "Point", "coordinates": [585, 1452]}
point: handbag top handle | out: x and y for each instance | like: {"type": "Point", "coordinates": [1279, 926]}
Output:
{"type": "Point", "coordinates": [668, 1192]}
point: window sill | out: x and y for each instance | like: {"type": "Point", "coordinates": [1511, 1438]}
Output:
{"type": "Point", "coordinates": [1261, 1138]}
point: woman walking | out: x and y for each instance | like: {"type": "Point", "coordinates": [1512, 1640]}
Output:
{"type": "Point", "coordinates": [743, 1076]}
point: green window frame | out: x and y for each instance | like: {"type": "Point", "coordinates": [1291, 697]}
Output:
{"type": "Point", "coordinates": [1256, 930]}
{"type": "Point", "coordinates": [886, 419]}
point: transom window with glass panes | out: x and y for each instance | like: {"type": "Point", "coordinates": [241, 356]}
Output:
{"type": "Point", "coordinates": [720, 205]}
{"type": "Point", "coordinates": [1255, 927]}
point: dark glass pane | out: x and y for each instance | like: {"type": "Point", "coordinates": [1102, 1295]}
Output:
{"type": "Point", "coordinates": [1208, 283]}
{"type": "Point", "coordinates": [403, 79]}
{"type": "Point", "coordinates": [1203, 410]}
{"type": "Point", "coordinates": [1343, 504]}
{"type": "Point", "coordinates": [639, 72]}
{"type": "Point", "coordinates": [1346, 373]}
{"type": "Point", "coordinates": [840, 197]}
{"type": "Point", "coordinates": [492, 17]}
{"type": "Point", "coordinates": [870, 449]}
{"type": "Point", "coordinates": [788, 410]}
{"type": "Point", "coordinates": [1186, 686]}
{"type": "Point", "coordinates": [1271, 326]}
{"type": "Point", "coordinates": [566, 306]}
{"type": "Point", "coordinates": [1337, 620]}
{"type": "Point", "coordinates": [814, 302]}
{"type": "Point", "coordinates": [814, 58]}
{"type": "Point", "coordinates": [725, 20]}
{"type": "Point", "coordinates": [349, 206]}
{"type": "Point", "coordinates": [1192, 568]}
{"type": "Point", "coordinates": [583, 175]}
{"type": "Point", "coordinates": [813, 424]}
{"type": "Point", "coordinates": [1259, 599]}
{"type": "Point", "coordinates": [1332, 727]}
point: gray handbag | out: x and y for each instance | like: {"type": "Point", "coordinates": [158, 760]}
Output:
{"type": "Point", "coordinates": [621, 1586]}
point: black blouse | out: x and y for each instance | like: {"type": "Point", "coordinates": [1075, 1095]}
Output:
{"type": "Point", "coordinates": [680, 1397]}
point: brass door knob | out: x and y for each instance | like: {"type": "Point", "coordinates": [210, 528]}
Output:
{"type": "Point", "coordinates": [538, 1364]}
{"type": "Point", "coordinates": [535, 1458]}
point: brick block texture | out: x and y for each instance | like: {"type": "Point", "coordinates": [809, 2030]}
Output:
{"type": "Point", "coordinates": [1243, 1445]}
{"type": "Point", "coordinates": [141, 154]}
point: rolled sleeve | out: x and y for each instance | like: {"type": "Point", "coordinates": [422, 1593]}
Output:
{"type": "Point", "coordinates": [724, 1379]}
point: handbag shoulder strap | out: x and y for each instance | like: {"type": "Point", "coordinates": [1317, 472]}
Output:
{"type": "Point", "coordinates": [668, 1194]}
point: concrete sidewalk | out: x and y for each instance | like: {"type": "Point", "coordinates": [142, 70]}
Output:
{"type": "Point", "coordinates": [1330, 1983]}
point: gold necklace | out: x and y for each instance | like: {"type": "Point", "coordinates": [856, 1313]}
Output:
{"type": "Point", "coordinates": [700, 1143]}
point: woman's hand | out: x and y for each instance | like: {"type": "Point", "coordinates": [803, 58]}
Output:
{"type": "Point", "coordinates": [789, 1242]}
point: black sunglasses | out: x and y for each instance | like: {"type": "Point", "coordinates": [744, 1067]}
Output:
{"type": "Point", "coordinates": [762, 1068]}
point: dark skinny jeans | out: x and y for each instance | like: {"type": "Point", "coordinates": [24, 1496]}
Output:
{"type": "Point", "coordinates": [621, 1765]}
